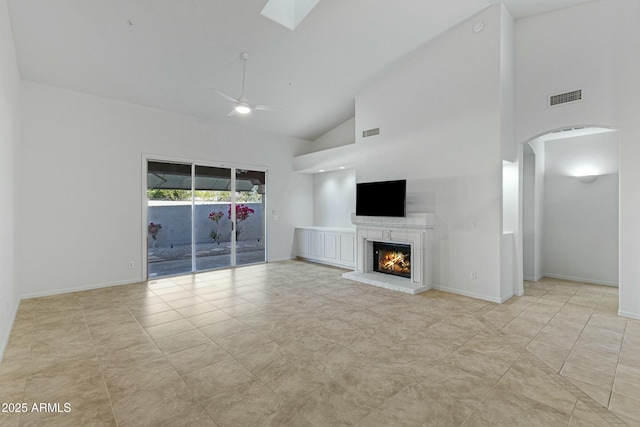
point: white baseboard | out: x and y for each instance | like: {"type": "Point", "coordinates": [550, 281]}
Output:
{"type": "Point", "coordinates": [281, 259]}
{"type": "Point", "coordinates": [80, 288]}
{"type": "Point", "coordinates": [629, 314]}
{"type": "Point", "coordinates": [5, 341]}
{"type": "Point", "coordinates": [325, 262]}
{"type": "Point", "coordinates": [472, 294]}
{"type": "Point", "coordinates": [580, 279]}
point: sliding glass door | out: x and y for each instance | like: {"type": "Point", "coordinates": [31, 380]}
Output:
{"type": "Point", "coordinates": [212, 225]}
{"type": "Point", "coordinates": [199, 218]}
{"type": "Point", "coordinates": [250, 216]}
{"type": "Point", "coordinates": [169, 241]}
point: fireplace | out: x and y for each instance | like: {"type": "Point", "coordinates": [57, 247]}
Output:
{"type": "Point", "coordinates": [406, 260]}
{"type": "Point", "coordinates": [392, 258]}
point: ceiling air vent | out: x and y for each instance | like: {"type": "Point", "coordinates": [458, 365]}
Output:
{"type": "Point", "coordinates": [370, 132]}
{"type": "Point", "coordinates": [563, 98]}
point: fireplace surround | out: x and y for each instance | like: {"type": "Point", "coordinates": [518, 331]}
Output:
{"type": "Point", "coordinates": [413, 233]}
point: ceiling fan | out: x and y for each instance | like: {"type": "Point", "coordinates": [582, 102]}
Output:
{"type": "Point", "coordinates": [242, 105]}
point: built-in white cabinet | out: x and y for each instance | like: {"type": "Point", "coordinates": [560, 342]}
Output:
{"type": "Point", "coordinates": [316, 249]}
{"type": "Point", "coordinates": [303, 243]}
{"type": "Point", "coordinates": [329, 243]}
{"type": "Point", "coordinates": [334, 246]}
{"type": "Point", "coordinates": [348, 249]}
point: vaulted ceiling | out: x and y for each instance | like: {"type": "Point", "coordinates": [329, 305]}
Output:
{"type": "Point", "coordinates": [173, 55]}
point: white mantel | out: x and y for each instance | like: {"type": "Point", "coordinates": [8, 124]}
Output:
{"type": "Point", "coordinates": [416, 230]}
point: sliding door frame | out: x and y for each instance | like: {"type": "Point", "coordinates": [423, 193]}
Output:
{"type": "Point", "coordinates": [146, 158]}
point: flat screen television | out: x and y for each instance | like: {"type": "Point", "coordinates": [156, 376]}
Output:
{"type": "Point", "coordinates": [385, 198]}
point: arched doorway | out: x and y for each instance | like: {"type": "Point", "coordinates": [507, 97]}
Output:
{"type": "Point", "coordinates": [569, 205]}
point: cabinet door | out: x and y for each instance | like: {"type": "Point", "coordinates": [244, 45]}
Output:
{"type": "Point", "coordinates": [330, 241]}
{"type": "Point", "coordinates": [316, 250]}
{"type": "Point", "coordinates": [347, 248]}
{"type": "Point", "coordinates": [302, 243]}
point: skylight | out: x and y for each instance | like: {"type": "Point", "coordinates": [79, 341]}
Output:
{"type": "Point", "coordinates": [288, 13]}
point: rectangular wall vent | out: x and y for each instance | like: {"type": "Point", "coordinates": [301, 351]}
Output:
{"type": "Point", "coordinates": [370, 132]}
{"type": "Point", "coordinates": [563, 98]}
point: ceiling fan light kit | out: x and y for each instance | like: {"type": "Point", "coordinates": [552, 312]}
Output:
{"type": "Point", "coordinates": [242, 106]}
{"type": "Point", "coordinates": [243, 109]}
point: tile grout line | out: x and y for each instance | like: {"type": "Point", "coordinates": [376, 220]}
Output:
{"type": "Point", "coordinates": [104, 380]}
{"type": "Point", "coordinates": [573, 347]}
{"type": "Point", "coordinates": [164, 356]}
{"type": "Point", "coordinates": [603, 412]}
{"type": "Point", "coordinates": [615, 375]}
{"type": "Point", "coordinates": [493, 387]}
{"type": "Point", "coordinates": [538, 333]}
{"type": "Point", "coordinates": [27, 375]}
{"type": "Point", "coordinates": [256, 378]}
{"type": "Point", "coordinates": [518, 348]}
{"type": "Point", "coordinates": [199, 402]}
{"type": "Point", "coordinates": [573, 411]}
{"type": "Point", "coordinates": [578, 338]}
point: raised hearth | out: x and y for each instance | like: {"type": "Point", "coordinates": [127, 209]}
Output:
{"type": "Point", "coordinates": [413, 233]}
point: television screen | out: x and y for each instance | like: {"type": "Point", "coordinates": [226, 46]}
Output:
{"type": "Point", "coordinates": [386, 198]}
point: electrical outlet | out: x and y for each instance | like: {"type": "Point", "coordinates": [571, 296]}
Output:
{"type": "Point", "coordinates": [474, 275]}
{"type": "Point", "coordinates": [472, 223]}
{"type": "Point", "coordinates": [131, 264]}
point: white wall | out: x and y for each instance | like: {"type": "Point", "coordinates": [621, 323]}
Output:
{"type": "Point", "coordinates": [511, 266]}
{"type": "Point", "coordinates": [553, 57]}
{"type": "Point", "coordinates": [528, 216]}
{"type": "Point", "coordinates": [511, 255]}
{"type": "Point", "coordinates": [581, 229]}
{"type": "Point", "coordinates": [571, 228]}
{"type": "Point", "coordinates": [538, 147]}
{"type": "Point", "coordinates": [507, 88]}
{"type": "Point", "coordinates": [342, 134]}
{"type": "Point", "coordinates": [581, 220]}
{"type": "Point", "coordinates": [9, 138]}
{"type": "Point", "coordinates": [593, 53]}
{"type": "Point", "coordinates": [446, 141]}
{"type": "Point", "coordinates": [334, 198]}
{"type": "Point", "coordinates": [510, 185]}
{"type": "Point", "coordinates": [627, 107]}
{"type": "Point", "coordinates": [80, 186]}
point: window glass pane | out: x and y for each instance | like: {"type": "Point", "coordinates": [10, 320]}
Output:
{"type": "Point", "coordinates": [169, 219]}
{"type": "Point", "coordinates": [250, 216]}
{"type": "Point", "coordinates": [191, 230]}
{"type": "Point", "coordinates": [212, 222]}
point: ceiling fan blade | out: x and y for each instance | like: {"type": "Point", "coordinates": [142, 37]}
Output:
{"type": "Point", "coordinates": [224, 95]}
{"type": "Point", "coordinates": [266, 108]}
{"type": "Point", "coordinates": [242, 105]}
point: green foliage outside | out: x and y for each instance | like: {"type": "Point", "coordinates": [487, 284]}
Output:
{"type": "Point", "coordinates": [202, 195]}
{"type": "Point", "coordinates": [161, 194]}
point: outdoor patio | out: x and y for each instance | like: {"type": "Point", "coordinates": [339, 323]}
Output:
{"type": "Point", "coordinates": [176, 259]}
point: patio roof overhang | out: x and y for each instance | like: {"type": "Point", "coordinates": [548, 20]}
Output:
{"type": "Point", "coordinates": [174, 176]}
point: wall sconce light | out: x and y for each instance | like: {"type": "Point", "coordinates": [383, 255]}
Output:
{"type": "Point", "coordinates": [588, 179]}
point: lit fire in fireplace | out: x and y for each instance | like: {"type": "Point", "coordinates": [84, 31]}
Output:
{"type": "Point", "coordinates": [395, 262]}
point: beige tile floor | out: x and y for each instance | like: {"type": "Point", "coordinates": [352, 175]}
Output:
{"type": "Point", "coordinates": [293, 344]}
